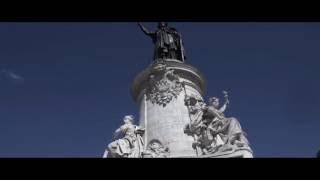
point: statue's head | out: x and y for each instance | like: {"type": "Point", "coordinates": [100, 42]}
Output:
{"type": "Point", "coordinates": [214, 101]}
{"type": "Point", "coordinates": [128, 119]}
{"type": "Point", "coordinates": [162, 25]}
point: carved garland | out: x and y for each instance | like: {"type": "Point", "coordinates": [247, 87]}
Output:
{"type": "Point", "coordinates": [164, 85]}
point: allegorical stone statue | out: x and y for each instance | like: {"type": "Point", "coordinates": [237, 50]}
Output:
{"type": "Point", "coordinates": [167, 41]}
{"type": "Point", "coordinates": [128, 142]}
{"type": "Point", "coordinates": [229, 129]}
{"type": "Point", "coordinates": [213, 132]}
{"type": "Point", "coordinates": [155, 149]}
{"type": "Point", "coordinates": [196, 108]}
{"type": "Point", "coordinates": [204, 141]}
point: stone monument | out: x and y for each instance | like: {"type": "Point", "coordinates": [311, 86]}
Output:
{"type": "Point", "coordinates": [174, 120]}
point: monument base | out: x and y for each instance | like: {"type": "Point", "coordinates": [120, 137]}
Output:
{"type": "Point", "coordinates": [238, 153]}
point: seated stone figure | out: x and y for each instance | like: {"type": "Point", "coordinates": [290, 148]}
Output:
{"type": "Point", "coordinates": [127, 142]}
{"type": "Point", "coordinates": [229, 129]}
{"type": "Point", "coordinates": [212, 131]}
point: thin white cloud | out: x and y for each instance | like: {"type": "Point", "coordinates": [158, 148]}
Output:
{"type": "Point", "coordinates": [11, 75]}
{"type": "Point", "coordinates": [15, 76]}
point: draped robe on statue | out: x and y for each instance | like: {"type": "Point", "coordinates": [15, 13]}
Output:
{"type": "Point", "coordinates": [201, 133]}
{"type": "Point", "coordinates": [164, 42]}
{"type": "Point", "coordinates": [130, 145]}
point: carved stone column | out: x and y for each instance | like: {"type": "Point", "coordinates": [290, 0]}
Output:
{"type": "Point", "coordinates": [160, 91]}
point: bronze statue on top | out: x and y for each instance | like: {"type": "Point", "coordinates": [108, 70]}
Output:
{"type": "Point", "coordinates": [167, 41]}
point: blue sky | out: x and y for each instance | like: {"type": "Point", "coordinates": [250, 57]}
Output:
{"type": "Point", "coordinates": [64, 87]}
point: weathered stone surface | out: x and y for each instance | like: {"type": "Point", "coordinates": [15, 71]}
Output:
{"type": "Point", "coordinates": [238, 153]}
{"type": "Point", "coordinates": [155, 149]}
{"type": "Point", "coordinates": [166, 123]}
{"type": "Point", "coordinates": [189, 74]}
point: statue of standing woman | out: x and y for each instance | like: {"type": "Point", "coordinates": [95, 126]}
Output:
{"type": "Point", "coordinates": [167, 41]}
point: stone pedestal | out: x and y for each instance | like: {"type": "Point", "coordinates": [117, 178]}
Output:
{"type": "Point", "coordinates": [238, 153]}
{"type": "Point", "coordinates": [166, 122]}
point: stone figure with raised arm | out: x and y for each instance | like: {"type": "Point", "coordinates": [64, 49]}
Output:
{"type": "Point", "coordinates": [228, 129]}
{"type": "Point", "coordinates": [212, 131]}
{"type": "Point", "coordinates": [167, 41]}
{"type": "Point", "coordinates": [128, 141]}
